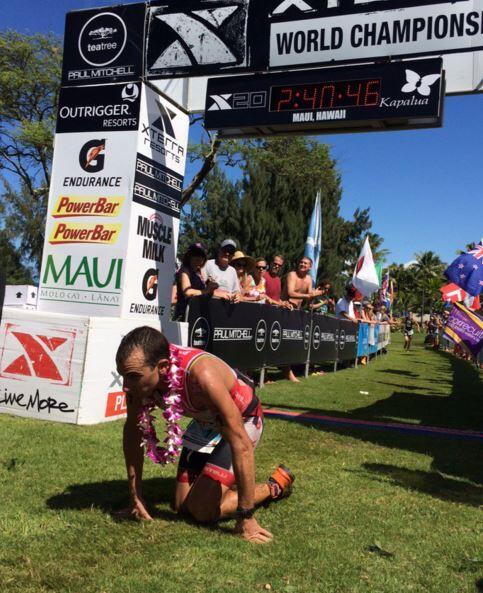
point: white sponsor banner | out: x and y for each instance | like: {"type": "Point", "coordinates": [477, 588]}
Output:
{"type": "Point", "coordinates": [151, 263]}
{"type": "Point", "coordinates": [401, 32]}
{"type": "Point", "coordinates": [102, 398]}
{"type": "Point", "coordinates": [163, 131]}
{"type": "Point", "coordinates": [87, 224]}
{"type": "Point", "coordinates": [41, 364]}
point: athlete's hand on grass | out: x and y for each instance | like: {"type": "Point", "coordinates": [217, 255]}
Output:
{"type": "Point", "coordinates": [136, 510]}
{"type": "Point", "coordinates": [250, 530]}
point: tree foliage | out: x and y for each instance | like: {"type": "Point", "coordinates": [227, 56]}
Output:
{"type": "Point", "coordinates": [262, 193]}
{"type": "Point", "coordinates": [15, 272]}
{"type": "Point", "coordinates": [418, 284]}
{"type": "Point", "coordinates": [30, 68]}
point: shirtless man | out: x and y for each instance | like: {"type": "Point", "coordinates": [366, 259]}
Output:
{"type": "Point", "coordinates": [298, 287]}
{"type": "Point", "coordinates": [216, 472]}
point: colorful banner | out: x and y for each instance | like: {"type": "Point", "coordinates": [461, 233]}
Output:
{"type": "Point", "coordinates": [87, 227]}
{"type": "Point", "coordinates": [465, 327]}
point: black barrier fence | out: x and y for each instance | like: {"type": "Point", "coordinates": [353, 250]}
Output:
{"type": "Point", "coordinates": [252, 336]}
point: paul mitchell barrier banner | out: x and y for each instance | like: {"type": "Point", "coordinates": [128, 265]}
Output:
{"type": "Point", "coordinates": [250, 336]}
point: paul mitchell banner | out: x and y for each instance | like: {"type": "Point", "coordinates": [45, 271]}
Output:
{"type": "Point", "coordinates": [250, 336]}
{"type": "Point", "coordinates": [104, 45]}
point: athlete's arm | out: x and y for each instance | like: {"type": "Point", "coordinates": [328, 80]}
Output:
{"type": "Point", "coordinates": [134, 458]}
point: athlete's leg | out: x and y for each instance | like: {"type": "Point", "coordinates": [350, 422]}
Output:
{"type": "Point", "coordinates": [210, 500]}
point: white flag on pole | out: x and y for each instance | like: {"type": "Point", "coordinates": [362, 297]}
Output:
{"type": "Point", "coordinates": [365, 278]}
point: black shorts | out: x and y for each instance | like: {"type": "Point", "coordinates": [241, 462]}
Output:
{"type": "Point", "coordinates": [217, 465]}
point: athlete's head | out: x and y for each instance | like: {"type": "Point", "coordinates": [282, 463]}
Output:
{"type": "Point", "coordinates": [142, 360]}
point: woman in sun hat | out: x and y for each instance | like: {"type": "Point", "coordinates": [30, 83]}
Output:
{"type": "Point", "coordinates": [244, 265]}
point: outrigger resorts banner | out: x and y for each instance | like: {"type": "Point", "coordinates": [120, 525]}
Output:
{"type": "Point", "coordinates": [112, 221]}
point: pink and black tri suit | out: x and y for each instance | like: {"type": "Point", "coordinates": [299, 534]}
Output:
{"type": "Point", "coordinates": [216, 464]}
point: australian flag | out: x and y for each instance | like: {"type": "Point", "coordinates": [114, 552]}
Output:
{"type": "Point", "coordinates": [467, 270]}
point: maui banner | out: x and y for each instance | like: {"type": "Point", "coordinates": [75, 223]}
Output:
{"type": "Point", "coordinates": [465, 327]}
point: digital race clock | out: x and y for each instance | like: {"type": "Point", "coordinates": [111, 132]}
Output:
{"type": "Point", "coordinates": [354, 98]}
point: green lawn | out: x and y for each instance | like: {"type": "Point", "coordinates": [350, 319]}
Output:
{"type": "Point", "coordinates": [372, 511]}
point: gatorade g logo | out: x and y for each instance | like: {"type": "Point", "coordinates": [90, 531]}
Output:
{"type": "Point", "coordinates": [91, 156]}
{"type": "Point", "coordinates": [45, 356]}
{"type": "Point", "coordinates": [150, 284]}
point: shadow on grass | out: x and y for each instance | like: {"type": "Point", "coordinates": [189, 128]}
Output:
{"type": "Point", "coordinates": [462, 409]}
{"type": "Point", "coordinates": [110, 495]}
{"type": "Point", "coordinates": [431, 483]}
{"type": "Point", "coordinates": [398, 372]}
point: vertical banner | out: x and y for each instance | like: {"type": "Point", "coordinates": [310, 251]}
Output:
{"type": "Point", "coordinates": [87, 225]}
{"type": "Point", "coordinates": [154, 220]}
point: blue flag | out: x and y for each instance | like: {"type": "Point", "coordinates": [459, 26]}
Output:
{"type": "Point", "coordinates": [313, 245]}
{"type": "Point", "coordinates": [467, 271]}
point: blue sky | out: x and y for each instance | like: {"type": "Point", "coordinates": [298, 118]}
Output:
{"type": "Point", "coordinates": [425, 188]}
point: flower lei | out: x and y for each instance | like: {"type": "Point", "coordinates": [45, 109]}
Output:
{"type": "Point", "coordinates": [172, 412]}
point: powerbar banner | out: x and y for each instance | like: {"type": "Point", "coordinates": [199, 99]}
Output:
{"type": "Point", "coordinates": [104, 45]}
{"type": "Point", "coordinates": [465, 327]}
{"type": "Point", "coordinates": [208, 38]}
{"type": "Point", "coordinates": [87, 225]}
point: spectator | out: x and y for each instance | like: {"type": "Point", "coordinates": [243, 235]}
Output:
{"type": "Point", "coordinates": [190, 279]}
{"type": "Point", "coordinates": [345, 307]}
{"type": "Point", "coordinates": [368, 313]}
{"type": "Point", "coordinates": [273, 284]}
{"type": "Point", "coordinates": [298, 287]}
{"type": "Point", "coordinates": [244, 264]}
{"type": "Point", "coordinates": [324, 303]}
{"type": "Point", "coordinates": [220, 271]}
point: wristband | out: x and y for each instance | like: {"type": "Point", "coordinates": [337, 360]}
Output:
{"type": "Point", "coordinates": [244, 513]}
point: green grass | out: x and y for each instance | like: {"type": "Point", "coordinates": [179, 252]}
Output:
{"type": "Point", "coordinates": [372, 511]}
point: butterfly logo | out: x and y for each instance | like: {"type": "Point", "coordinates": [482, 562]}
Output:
{"type": "Point", "coordinates": [421, 84]}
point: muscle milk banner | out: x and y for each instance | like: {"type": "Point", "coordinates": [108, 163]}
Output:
{"type": "Point", "coordinates": [154, 222]}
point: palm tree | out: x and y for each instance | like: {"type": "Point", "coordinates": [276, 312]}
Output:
{"type": "Point", "coordinates": [429, 272]}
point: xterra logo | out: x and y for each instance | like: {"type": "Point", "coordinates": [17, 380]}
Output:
{"type": "Point", "coordinates": [204, 37]}
{"type": "Point", "coordinates": [45, 356]}
{"type": "Point", "coordinates": [165, 119]}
